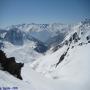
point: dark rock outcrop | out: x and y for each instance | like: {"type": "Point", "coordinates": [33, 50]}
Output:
{"type": "Point", "coordinates": [62, 57]}
{"type": "Point", "coordinates": [1, 45]}
{"type": "Point", "coordinates": [88, 37]}
{"type": "Point", "coordinates": [10, 65]}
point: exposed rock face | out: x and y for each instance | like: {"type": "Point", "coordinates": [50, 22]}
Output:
{"type": "Point", "coordinates": [10, 65]}
{"type": "Point", "coordinates": [15, 36]}
{"type": "Point", "coordinates": [62, 57]}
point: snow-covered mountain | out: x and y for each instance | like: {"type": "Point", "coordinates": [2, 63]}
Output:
{"type": "Point", "coordinates": [68, 63]}
{"type": "Point", "coordinates": [64, 66]}
{"type": "Point", "coordinates": [15, 36]}
{"type": "Point", "coordinates": [77, 38]}
{"type": "Point", "coordinates": [43, 35]}
{"type": "Point", "coordinates": [43, 32]}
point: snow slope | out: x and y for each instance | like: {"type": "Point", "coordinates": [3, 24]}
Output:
{"type": "Point", "coordinates": [8, 81]}
{"type": "Point", "coordinates": [25, 53]}
{"type": "Point", "coordinates": [72, 74]}
{"type": "Point", "coordinates": [47, 72]}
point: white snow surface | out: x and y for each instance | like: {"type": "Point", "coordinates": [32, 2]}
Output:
{"type": "Point", "coordinates": [7, 80]}
{"type": "Point", "coordinates": [25, 53]}
{"type": "Point", "coordinates": [73, 73]}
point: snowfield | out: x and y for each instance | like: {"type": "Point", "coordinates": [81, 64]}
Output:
{"type": "Point", "coordinates": [25, 53]}
{"type": "Point", "coordinates": [65, 66]}
{"type": "Point", "coordinates": [7, 80]}
{"type": "Point", "coordinates": [73, 73]}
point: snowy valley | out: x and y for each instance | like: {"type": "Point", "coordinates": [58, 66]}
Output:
{"type": "Point", "coordinates": [55, 56]}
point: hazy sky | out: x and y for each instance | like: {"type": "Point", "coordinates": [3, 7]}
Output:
{"type": "Point", "coordinates": [43, 11]}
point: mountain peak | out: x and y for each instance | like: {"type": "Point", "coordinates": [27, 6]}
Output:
{"type": "Point", "coordinates": [86, 21]}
